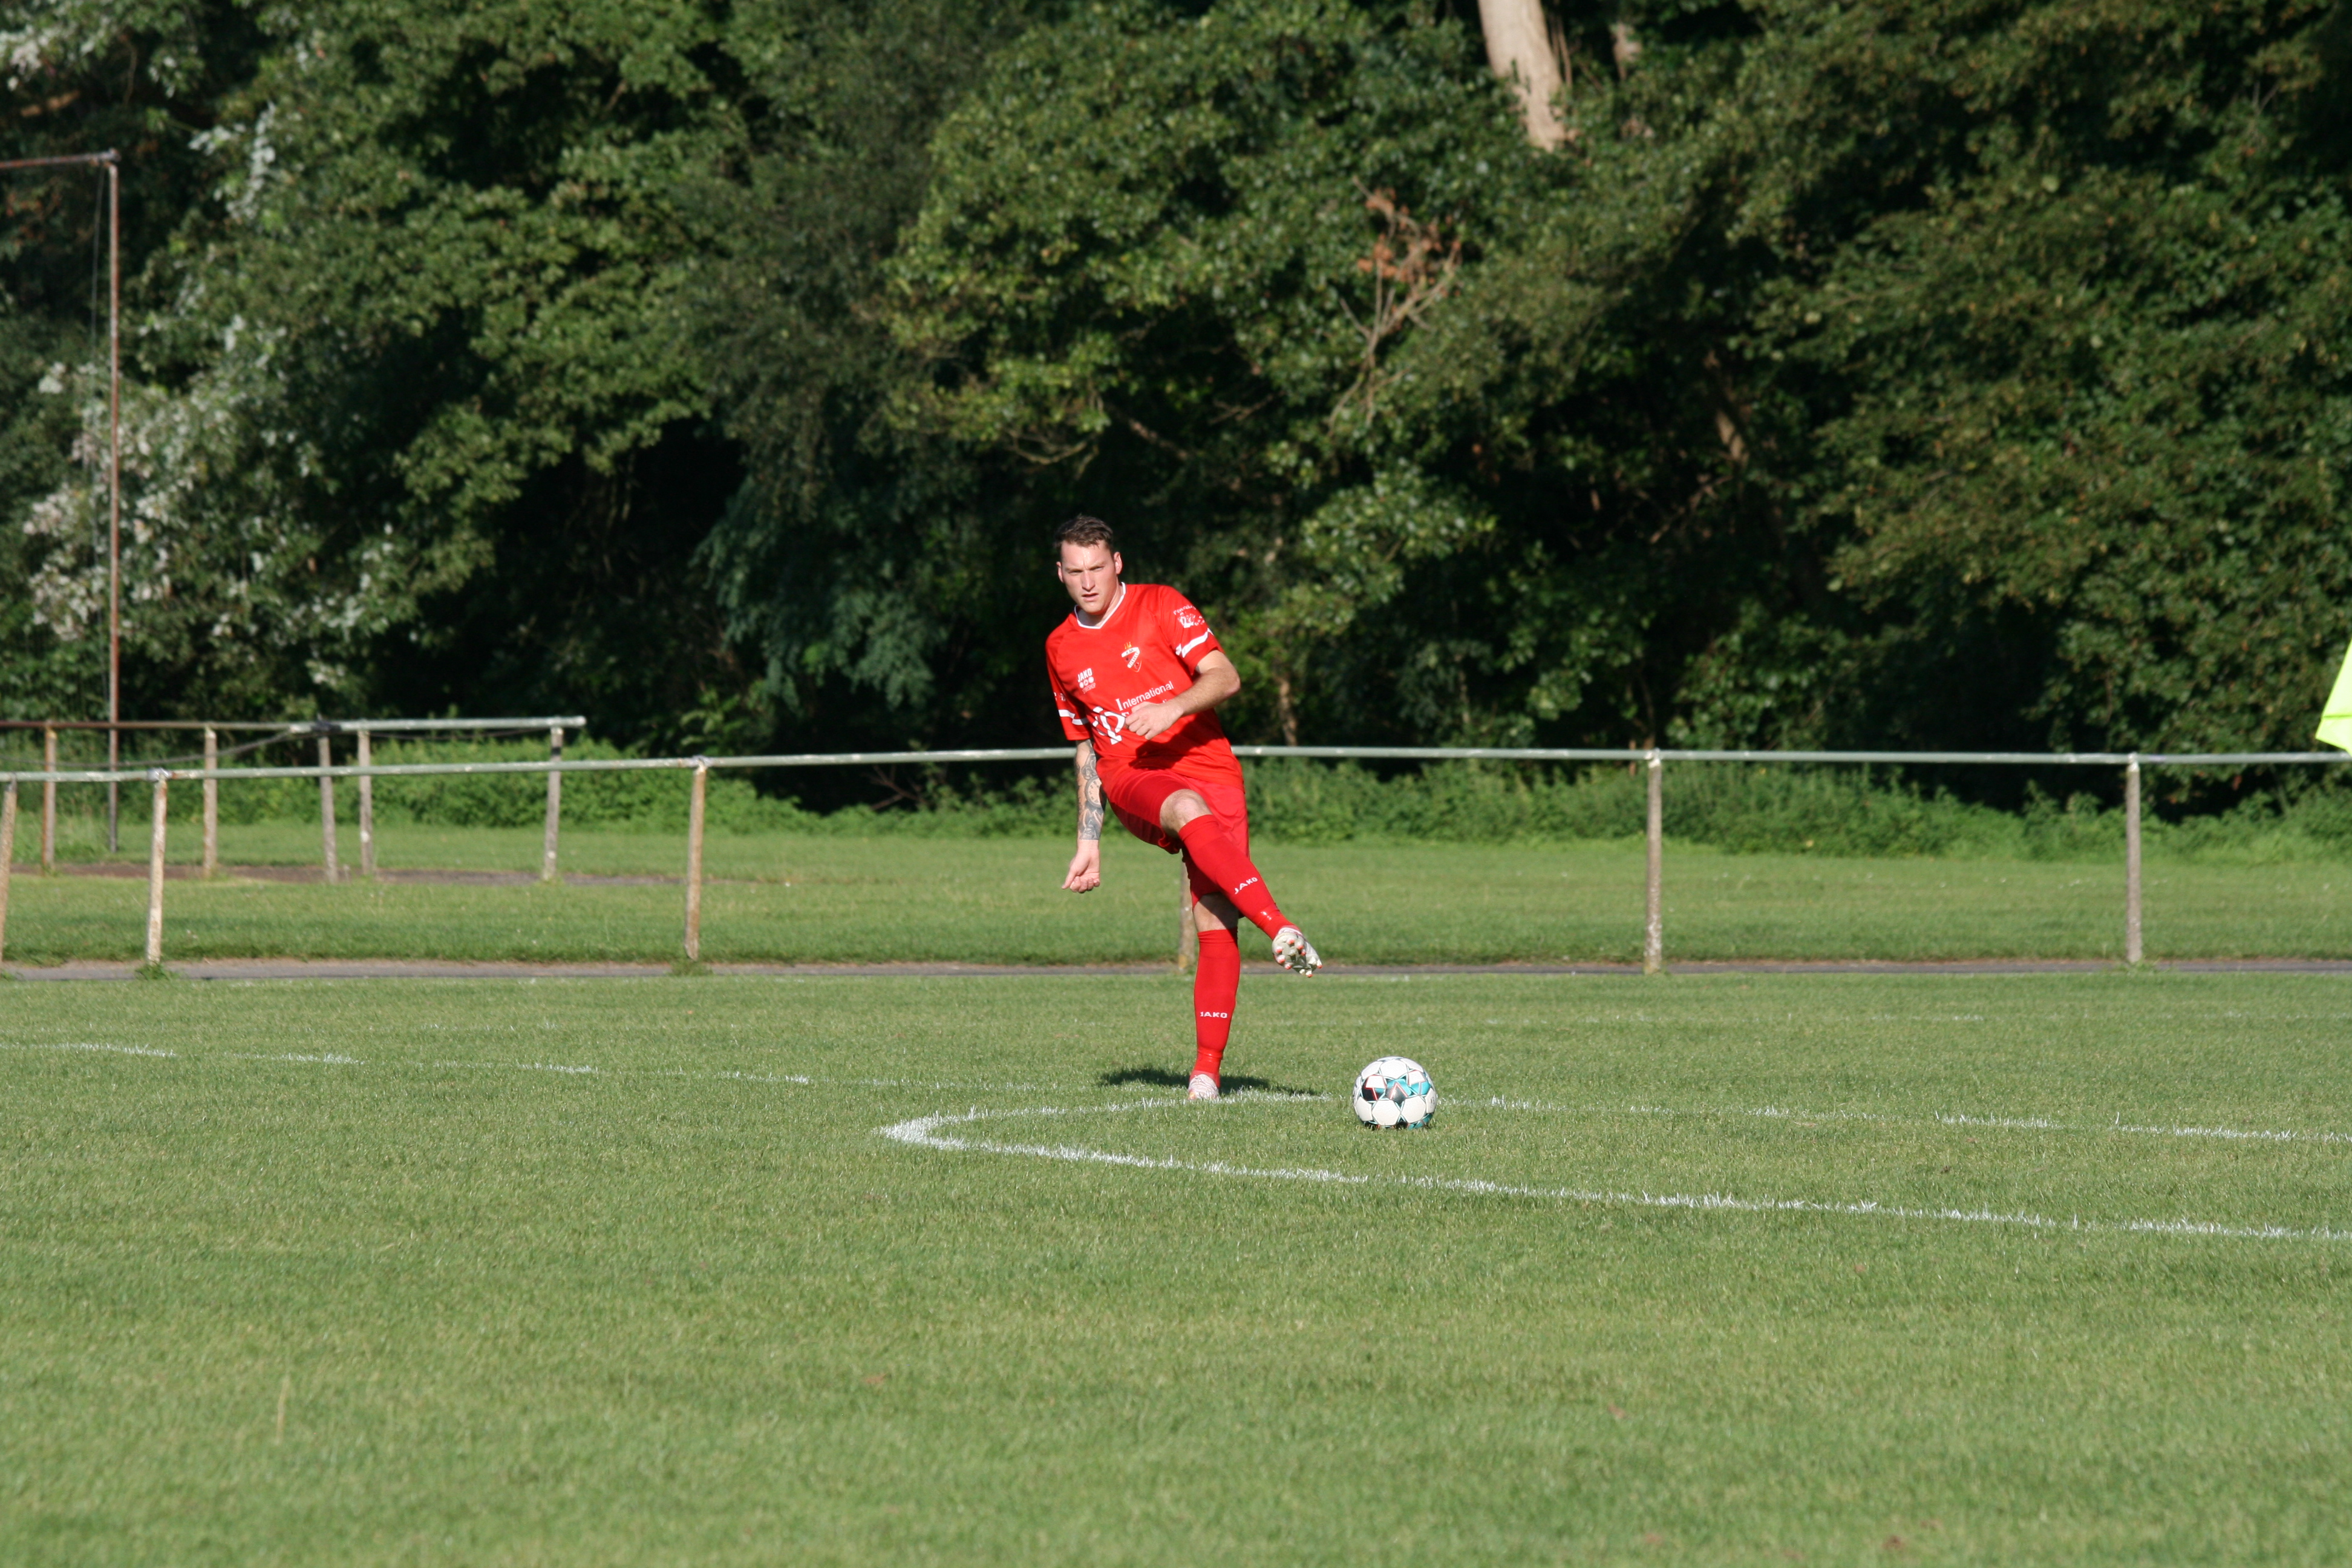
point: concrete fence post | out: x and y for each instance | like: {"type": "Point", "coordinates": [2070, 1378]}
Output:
{"type": "Point", "coordinates": [554, 803]}
{"type": "Point", "coordinates": [1653, 929]}
{"type": "Point", "coordinates": [7, 854]}
{"type": "Point", "coordinates": [155, 869]}
{"type": "Point", "coordinates": [694, 861]}
{"type": "Point", "coordinates": [367, 809]}
{"type": "Point", "coordinates": [50, 801]}
{"type": "Point", "coordinates": [2133, 950]}
{"type": "Point", "coordinates": [327, 808]}
{"type": "Point", "coordinates": [212, 803]}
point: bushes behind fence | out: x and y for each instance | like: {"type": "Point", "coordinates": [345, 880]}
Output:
{"type": "Point", "coordinates": [1775, 808]}
{"type": "Point", "coordinates": [652, 799]}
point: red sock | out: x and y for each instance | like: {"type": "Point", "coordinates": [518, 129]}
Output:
{"type": "Point", "coordinates": [1214, 853]}
{"type": "Point", "coordinates": [1215, 983]}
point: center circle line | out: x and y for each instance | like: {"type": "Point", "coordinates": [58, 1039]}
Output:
{"type": "Point", "coordinates": [927, 1132]}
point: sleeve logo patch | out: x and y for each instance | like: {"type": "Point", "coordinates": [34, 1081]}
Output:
{"type": "Point", "coordinates": [1087, 678]}
{"type": "Point", "coordinates": [1187, 617]}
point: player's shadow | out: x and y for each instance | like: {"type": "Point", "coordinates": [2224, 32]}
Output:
{"type": "Point", "coordinates": [1160, 1078]}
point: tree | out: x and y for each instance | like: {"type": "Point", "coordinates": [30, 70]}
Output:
{"type": "Point", "coordinates": [1523, 47]}
{"type": "Point", "coordinates": [82, 76]}
{"type": "Point", "coordinates": [1182, 262]}
{"type": "Point", "coordinates": [1944, 372]}
{"type": "Point", "coordinates": [867, 570]}
{"type": "Point", "coordinates": [420, 403]}
{"type": "Point", "coordinates": [2056, 290]}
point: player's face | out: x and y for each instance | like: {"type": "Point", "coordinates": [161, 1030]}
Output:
{"type": "Point", "coordinates": [1090, 572]}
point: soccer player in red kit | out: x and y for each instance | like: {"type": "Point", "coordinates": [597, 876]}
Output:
{"type": "Point", "coordinates": [1136, 676]}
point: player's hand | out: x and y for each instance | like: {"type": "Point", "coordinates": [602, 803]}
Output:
{"type": "Point", "coordinates": [1085, 867]}
{"type": "Point", "coordinates": [1153, 719]}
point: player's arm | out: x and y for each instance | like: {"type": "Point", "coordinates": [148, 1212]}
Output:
{"type": "Point", "coordinates": [1216, 681]}
{"type": "Point", "coordinates": [1085, 866]}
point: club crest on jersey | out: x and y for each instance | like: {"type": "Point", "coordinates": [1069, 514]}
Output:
{"type": "Point", "coordinates": [1086, 680]}
{"type": "Point", "coordinates": [1132, 654]}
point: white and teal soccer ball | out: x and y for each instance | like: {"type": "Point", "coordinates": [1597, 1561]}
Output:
{"type": "Point", "coordinates": [1394, 1091]}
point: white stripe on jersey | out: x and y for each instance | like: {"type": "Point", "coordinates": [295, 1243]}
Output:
{"type": "Point", "coordinates": [1184, 648]}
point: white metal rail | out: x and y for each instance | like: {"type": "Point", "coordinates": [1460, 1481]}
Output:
{"type": "Point", "coordinates": [326, 772]}
{"type": "Point", "coordinates": [325, 730]}
{"type": "Point", "coordinates": [272, 731]}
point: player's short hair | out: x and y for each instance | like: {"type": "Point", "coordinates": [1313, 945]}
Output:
{"type": "Point", "coordinates": [1084, 530]}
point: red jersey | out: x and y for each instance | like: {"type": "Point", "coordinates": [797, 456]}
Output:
{"type": "Point", "coordinates": [1148, 648]}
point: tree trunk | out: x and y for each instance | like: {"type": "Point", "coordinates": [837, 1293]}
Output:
{"type": "Point", "coordinates": [1520, 47]}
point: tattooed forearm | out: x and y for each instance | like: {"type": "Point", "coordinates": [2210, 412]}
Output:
{"type": "Point", "coordinates": [1090, 795]}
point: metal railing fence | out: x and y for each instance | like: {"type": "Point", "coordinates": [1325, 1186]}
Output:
{"type": "Point", "coordinates": [302, 726]}
{"type": "Point", "coordinates": [324, 730]}
{"type": "Point", "coordinates": [1651, 761]}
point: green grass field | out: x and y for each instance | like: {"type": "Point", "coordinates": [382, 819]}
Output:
{"type": "Point", "coordinates": [627, 1272]}
{"type": "Point", "coordinates": [779, 898]}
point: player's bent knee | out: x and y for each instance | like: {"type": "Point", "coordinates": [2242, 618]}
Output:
{"type": "Point", "coordinates": [1183, 806]}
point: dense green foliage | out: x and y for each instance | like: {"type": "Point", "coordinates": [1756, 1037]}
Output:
{"type": "Point", "coordinates": [413, 411]}
{"type": "Point", "coordinates": [1934, 371]}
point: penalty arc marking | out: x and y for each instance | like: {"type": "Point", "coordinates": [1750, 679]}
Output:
{"type": "Point", "coordinates": [929, 1132]}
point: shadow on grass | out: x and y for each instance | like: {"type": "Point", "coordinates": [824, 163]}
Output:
{"type": "Point", "coordinates": [1160, 1078]}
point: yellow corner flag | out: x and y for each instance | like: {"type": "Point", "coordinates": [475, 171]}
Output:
{"type": "Point", "coordinates": [2336, 722]}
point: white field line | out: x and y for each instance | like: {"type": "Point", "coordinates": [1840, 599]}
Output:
{"type": "Point", "coordinates": [1499, 1103]}
{"type": "Point", "coordinates": [1761, 1014]}
{"type": "Point", "coordinates": [330, 1060]}
{"type": "Point", "coordinates": [923, 1132]}
{"type": "Point", "coordinates": [577, 1069]}
{"type": "Point", "coordinates": [798, 1080]}
{"type": "Point", "coordinates": [2011, 1123]}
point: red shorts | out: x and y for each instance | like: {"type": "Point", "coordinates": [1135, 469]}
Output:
{"type": "Point", "coordinates": [1136, 795]}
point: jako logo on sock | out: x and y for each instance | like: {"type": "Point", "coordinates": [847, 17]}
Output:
{"type": "Point", "coordinates": [1207, 1014]}
{"type": "Point", "coordinates": [1243, 883]}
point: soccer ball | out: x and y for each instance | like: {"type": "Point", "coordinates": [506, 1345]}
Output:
{"type": "Point", "coordinates": [1394, 1091]}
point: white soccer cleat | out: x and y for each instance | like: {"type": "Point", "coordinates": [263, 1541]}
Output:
{"type": "Point", "coordinates": [1203, 1086]}
{"type": "Point", "coordinates": [1294, 952]}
